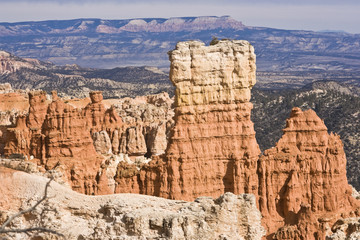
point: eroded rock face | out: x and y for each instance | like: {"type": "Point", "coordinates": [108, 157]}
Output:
{"type": "Point", "coordinates": [151, 119]}
{"type": "Point", "coordinates": [78, 141]}
{"type": "Point", "coordinates": [127, 216]}
{"type": "Point", "coordinates": [26, 137]}
{"type": "Point", "coordinates": [302, 181]}
{"type": "Point", "coordinates": [66, 134]}
{"type": "Point", "coordinates": [68, 143]}
{"type": "Point", "coordinates": [37, 110]}
{"type": "Point", "coordinates": [136, 127]}
{"type": "Point", "coordinates": [17, 140]}
{"type": "Point", "coordinates": [213, 148]}
{"type": "Point", "coordinates": [12, 103]}
{"type": "Point", "coordinates": [94, 112]}
{"type": "Point", "coordinates": [102, 142]}
{"type": "Point", "coordinates": [55, 135]}
{"type": "Point", "coordinates": [345, 229]}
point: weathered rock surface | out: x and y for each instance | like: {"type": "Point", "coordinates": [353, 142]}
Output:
{"type": "Point", "coordinates": [68, 143]}
{"type": "Point", "coordinates": [127, 216]}
{"type": "Point", "coordinates": [12, 103]}
{"type": "Point", "coordinates": [55, 135]}
{"type": "Point", "coordinates": [17, 140]}
{"type": "Point", "coordinates": [213, 148]}
{"type": "Point", "coordinates": [102, 142]}
{"type": "Point", "coordinates": [345, 229]}
{"type": "Point", "coordinates": [134, 126]}
{"type": "Point", "coordinates": [37, 110]}
{"type": "Point", "coordinates": [58, 135]}
{"type": "Point", "coordinates": [149, 120]}
{"type": "Point", "coordinates": [94, 112]}
{"type": "Point", "coordinates": [302, 180]}
{"type": "Point", "coordinates": [65, 131]}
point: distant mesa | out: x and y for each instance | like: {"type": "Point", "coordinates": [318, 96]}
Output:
{"type": "Point", "coordinates": [100, 43]}
{"type": "Point", "coordinates": [117, 26]}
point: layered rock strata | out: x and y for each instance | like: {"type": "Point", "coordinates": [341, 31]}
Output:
{"type": "Point", "coordinates": [125, 216]}
{"type": "Point", "coordinates": [213, 148]}
{"type": "Point", "coordinates": [68, 143]}
{"type": "Point", "coordinates": [59, 136]}
{"type": "Point", "coordinates": [56, 137]}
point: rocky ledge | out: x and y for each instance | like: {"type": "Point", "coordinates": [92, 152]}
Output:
{"type": "Point", "coordinates": [126, 216]}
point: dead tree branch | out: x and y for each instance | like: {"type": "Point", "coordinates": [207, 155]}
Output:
{"type": "Point", "coordinates": [30, 209]}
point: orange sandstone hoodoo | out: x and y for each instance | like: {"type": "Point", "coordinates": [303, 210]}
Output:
{"type": "Point", "coordinates": [300, 184]}
{"type": "Point", "coordinates": [303, 188]}
{"type": "Point", "coordinates": [57, 135]}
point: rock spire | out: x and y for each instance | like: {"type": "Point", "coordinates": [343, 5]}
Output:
{"type": "Point", "coordinates": [213, 147]}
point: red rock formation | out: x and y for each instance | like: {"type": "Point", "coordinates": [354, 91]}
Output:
{"type": "Point", "coordinates": [302, 181]}
{"type": "Point", "coordinates": [65, 131]}
{"type": "Point", "coordinates": [57, 136]}
{"type": "Point", "coordinates": [13, 101]}
{"type": "Point", "coordinates": [26, 138]}
{"type": "Point", "coordinates": [18, 138]}
{"type": "Point", "coordinates": [302, 188]}
{"type": "Point", "coordinates": [213, 148]}
{"type": "Point", "coordinates": [108, 122]}
{"type": "Point", "coordinates": [94, 112]}
{"type": "Point", "coordinates": [37, 110]}
{"type": "Point", "coordinates": [68, 143]}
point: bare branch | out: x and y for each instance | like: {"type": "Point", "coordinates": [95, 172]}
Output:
{"type": "Point", "coordinates": [32, 208]}
{"type": "Point", "coordinates": [35, 229]}
{"type": "Point", "coordinates": [10, 219]}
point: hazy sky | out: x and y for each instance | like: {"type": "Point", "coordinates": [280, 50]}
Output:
{"type": "Point", "coordinates": [287, 14]}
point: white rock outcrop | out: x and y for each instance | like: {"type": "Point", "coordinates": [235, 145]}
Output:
{"type": "Point", "coordinates": [126, 216]}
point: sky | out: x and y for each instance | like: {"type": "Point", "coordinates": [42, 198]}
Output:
{"type": "Point", "coordinates": [285, 14]}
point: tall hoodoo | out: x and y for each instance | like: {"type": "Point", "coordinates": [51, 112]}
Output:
{"type": "Point", "coordinates": [213, 147]}
{"type": "Point", "coordinates": [26, 138]}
